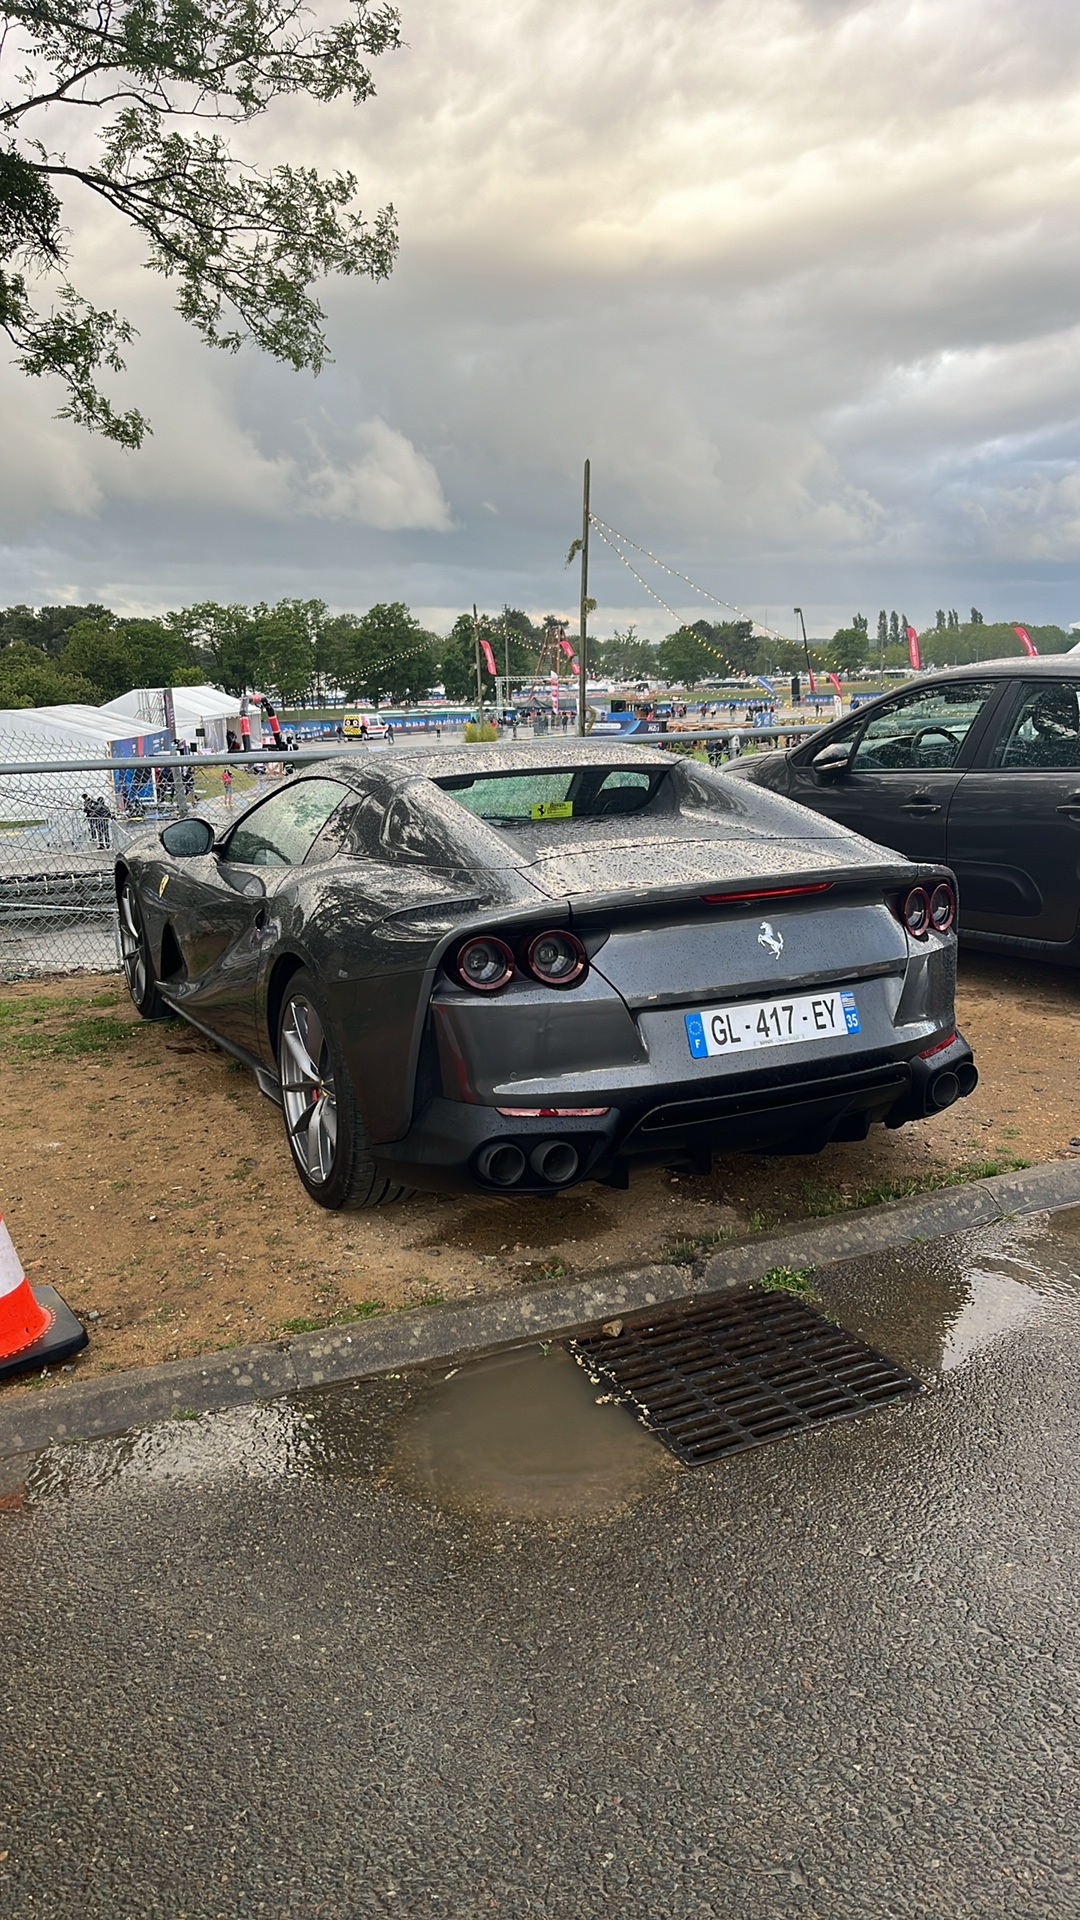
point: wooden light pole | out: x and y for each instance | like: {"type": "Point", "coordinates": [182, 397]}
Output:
{"type": "Point", "coordinates": [583, 640]}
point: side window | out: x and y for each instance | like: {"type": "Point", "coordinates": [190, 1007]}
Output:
{"type": "Point", "coordinates": [279, 832]}
{"type": "Point", "coordinates": [921, 730]}
{"type": "Point", "coordinates": [419, 832]}
{"type": "Point", "coordinates": [1044, 731]}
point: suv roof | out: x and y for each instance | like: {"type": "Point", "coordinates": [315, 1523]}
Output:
{"type": "Point", "coordinates": [1050, 664]}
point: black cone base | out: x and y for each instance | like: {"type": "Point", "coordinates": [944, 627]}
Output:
{"type": "Point", "coordinates": [66, 1336]}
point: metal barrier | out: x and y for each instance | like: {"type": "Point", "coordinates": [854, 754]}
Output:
{"type": "Point", "coordinates": [63, 821]}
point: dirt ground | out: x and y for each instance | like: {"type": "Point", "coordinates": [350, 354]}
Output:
{"type": "Point", "coordinates": [142, 1173]}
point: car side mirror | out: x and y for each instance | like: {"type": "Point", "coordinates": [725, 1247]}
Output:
{"type": "Point", "coordinates": [832, 761]}
{"type": "Point", "coordinates": [186, 839]}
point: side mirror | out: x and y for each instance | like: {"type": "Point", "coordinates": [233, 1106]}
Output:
{"type": "Point", "coordinates": [186, 839]}
{"type": "Point", "coordinates": [832, 761]}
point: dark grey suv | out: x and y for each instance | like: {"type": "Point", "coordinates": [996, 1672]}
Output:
{"type": "Point", "coordinates": [978, 768]}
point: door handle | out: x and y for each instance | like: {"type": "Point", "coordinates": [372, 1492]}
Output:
{"type": "Point", "coordinates": [917, 804]}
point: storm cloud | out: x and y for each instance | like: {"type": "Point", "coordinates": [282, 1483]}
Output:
{"type": "Point", "coordinates": [799, 277]}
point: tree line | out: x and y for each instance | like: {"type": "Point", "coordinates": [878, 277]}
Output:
{"type": "Point", "coordinates": [298, 651]}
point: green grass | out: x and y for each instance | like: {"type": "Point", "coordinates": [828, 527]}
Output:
{"type": "Point", "coordinates": [344, 1317]}
{"type": "Point", "coordinates": [94, 1034]}
{"type": "Point", "coordinates": [688, 1248]}
{"type": "Point", "coordinates": [788, 1280]}
{"type": "Point", "coordinates": [822, 1201]}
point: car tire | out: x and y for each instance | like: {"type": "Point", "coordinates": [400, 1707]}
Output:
{"type": "Point", "coordinates": [323, 1124]}
{"type": "Point", "coordinates": [142, 982]}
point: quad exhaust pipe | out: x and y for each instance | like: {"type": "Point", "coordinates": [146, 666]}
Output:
{"type": "Point", "coordinates": [554, 1160]}
{"type": "Point", "coordinates": [503, 1164]}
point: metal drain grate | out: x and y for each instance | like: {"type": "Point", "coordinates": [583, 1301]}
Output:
{"type": "Point", "coordinates": [733, 1374]}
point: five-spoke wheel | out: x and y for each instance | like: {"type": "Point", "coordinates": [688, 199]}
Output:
{"type": "Point", "coordinates": [135, 956]}
{"type": "Point", "coordinates": [308, 1090]}
{"type": "Point", "coordinates": [323, 1124]}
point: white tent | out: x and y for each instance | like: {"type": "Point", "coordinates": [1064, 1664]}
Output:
{"type": "Point", "coordinates": [29, 734]}
{"type": "Point", "coordinates": [204, 715]}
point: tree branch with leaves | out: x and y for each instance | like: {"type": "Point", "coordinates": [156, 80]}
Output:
{"type": "Point", "coordinates": [245, 246]}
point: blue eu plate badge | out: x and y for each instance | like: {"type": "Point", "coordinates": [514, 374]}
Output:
{"type": "Point", "coordinates": [695, 1033]}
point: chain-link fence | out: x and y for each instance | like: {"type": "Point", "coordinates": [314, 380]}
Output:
{"type": "Point", "coordinates": [63, 819]}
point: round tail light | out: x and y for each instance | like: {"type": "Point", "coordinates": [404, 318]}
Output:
{"type": "Point", "coordinates": [916, 912]}
{"type": "Point", "coordinates": [556, 959]}
{"type": "Point", "coordinates": [484, 964]}
{"type": "Point", "coordinates": [942, 908]}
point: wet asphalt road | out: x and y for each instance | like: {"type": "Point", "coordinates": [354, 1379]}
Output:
{"type": "Point", "coordinates": [246, 1673]}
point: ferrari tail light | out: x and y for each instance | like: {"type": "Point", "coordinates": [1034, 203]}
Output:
{"type": "Point", "coordinates": [556, 959]}
{"type": "Point", "coordinates": [915, 912]}
{"type": "Point", "coordinates": [484, 964]}
{"type": "Point", "coordinates": [926, 909]}
{"type": "Point", "coordinates": [942, 907]}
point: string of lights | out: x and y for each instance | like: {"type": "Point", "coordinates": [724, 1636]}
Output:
{"type": "Point", "coordinates": [603, 529]}
{"type": "Point", "coordinates": [609, 536]}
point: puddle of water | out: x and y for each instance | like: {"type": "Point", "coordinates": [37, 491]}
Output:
{"type": "Point", "coordinates": [265, 1443]}
{"type": "Point", "coordinates": [522, 1433]}
{"type": "Point", "coordinates": [1065, 1224]}
{"type": "Point", "coordinates": [994, 1306]}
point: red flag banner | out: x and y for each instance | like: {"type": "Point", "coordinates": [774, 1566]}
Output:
{"type": "Point", "coordinates": [836, 683]}
{"type": "Point", "coordinates": [913, 648]}
{"type": "Point", "coordinates": [485, 648]}
{"type": "Point", "coordinates": [1027, 642]}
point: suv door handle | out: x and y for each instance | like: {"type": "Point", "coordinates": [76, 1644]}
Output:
{"type": "Point", "coordinates": [1071, 805]}
{"type": "Point", "coordinates": [920, 803]}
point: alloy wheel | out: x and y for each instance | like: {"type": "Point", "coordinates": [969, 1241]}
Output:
{"type": "Point", "coordinates": [308, 1090]}
{"type": "Point", "coordinates": [132, 945]}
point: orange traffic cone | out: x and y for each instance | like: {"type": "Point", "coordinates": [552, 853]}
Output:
{"type": "Point", "coordinates": [37, 1328]}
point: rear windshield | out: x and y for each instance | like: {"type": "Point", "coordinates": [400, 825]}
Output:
{"type": "Point", "coordinates": [589, 793]}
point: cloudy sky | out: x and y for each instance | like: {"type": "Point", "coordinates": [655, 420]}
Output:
{"type": "Point", "coordinates": [799, 276]}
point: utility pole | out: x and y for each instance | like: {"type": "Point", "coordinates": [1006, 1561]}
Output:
{"type": "Point", "coordinates": [806, 645]}
{"type": "Point", "coordinates": [479, 681]}
{"type": "Point", "coordinates": [583, 641]}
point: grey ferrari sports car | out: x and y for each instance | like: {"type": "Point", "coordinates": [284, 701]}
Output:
{"type": "Point", "coordinates": [507, 970]}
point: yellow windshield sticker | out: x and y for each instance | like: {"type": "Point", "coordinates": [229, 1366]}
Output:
{"type": "Point", "coordinates": [553, 810]}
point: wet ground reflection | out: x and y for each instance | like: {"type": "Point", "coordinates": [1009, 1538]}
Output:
{"type": "Point", "coordinates": [524, 1432]}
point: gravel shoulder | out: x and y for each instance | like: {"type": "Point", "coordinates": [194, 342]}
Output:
{"type": "Point", "coordinates": [142, 1172]}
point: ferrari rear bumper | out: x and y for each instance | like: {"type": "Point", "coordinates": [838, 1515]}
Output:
{"type": "Point", "coordinates": [460, 1146]}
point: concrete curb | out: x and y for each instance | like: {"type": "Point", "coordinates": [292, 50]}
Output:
{"type": "Point", "coordinates": [85, 1409]}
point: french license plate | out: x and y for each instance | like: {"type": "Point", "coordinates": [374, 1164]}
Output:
{"type": "Point", "coordinates": [771, 1023]}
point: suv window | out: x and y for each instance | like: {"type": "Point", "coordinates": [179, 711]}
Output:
{"type": "Point", "coordinates": [920, 730]}
{"type": "Point", "coordinates": [1044, 731]}
{"type": "Point", "coordinates": [279, 831]}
